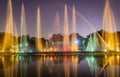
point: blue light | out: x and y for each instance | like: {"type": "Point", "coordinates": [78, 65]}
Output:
{"type": "Point", "coordinates": [77, 41]}
{"type": "Point", "coordinates": [58, 49]}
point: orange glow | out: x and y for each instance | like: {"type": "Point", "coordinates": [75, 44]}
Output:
{"type": "Point", "coordinates": [109, 26]}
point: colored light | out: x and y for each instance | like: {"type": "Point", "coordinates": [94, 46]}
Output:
{"type": "Point", "coordinates": [26, 44]}
{"type": "Point", "coordinates": [29, 50]}
{"type": "Point", "coordinates": [20, 45]}
{"type": "Point", "coordinates": [77, 41]}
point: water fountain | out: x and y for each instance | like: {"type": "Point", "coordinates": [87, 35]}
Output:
{"type": "Point", "coordinates": [10, 41]}
{"type": "Point", "coordinates": [14, 68]}
{"type": "Point", "coordinates": [66, 31]}
{"type": "Point", "coordinates": [57, 22]}
{"type": "Point", "coordinates": [93, 43]}
{"type": "Point", "coordinates": [15, 43]}
{"type": "Point", "coordinates": [23, 39]}
{"type": "Point", "coordinates": [74, 46]}
{"type": "Point", "coordinates": [109, 35]}
{"type": "Point", "coordinates": [38, 40]}
{"type": "Point", "coordinates": [57, 46]}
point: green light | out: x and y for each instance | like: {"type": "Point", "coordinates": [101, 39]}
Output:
{"type": "Point", "coordinates": [26, 44]}
{"type": "Point", "coordinates": [21, 51]}
{"type": "Point", "coordinates": [92, 49]}
{"type": "Point", "coordinates": [92, 59]}
{"type": "Point", "coordinates": [92, 62]}
{"type": "Point", "coordinates": [29, 51]}
{"type": "Point", "coordinates": [20, 45]}
{"type": "Point", "coordinates": [83, 41]}
{"type": "Point", "coordinates": [20, 58]}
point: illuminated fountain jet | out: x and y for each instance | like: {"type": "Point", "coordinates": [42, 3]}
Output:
{"type": "Point", "coordinates": [23, 39]}
{"type": "Point", "coordinates": [10, 41]}
{"type": "Point", "coordinates": [66, 32]}
{"type": "Point", "coordinates": [109, 35]}
{"type": "Point", "coordinates": [15, 39]}
{"type": "Point", "coordinates": [57, 27]}
{"type": "Point", "coordinates": [74, 46]}
{"type": "Point", "coordinates": [57, 23]}
{"type": "Point", "coordinates": [93, 43]}
{"type": "Point", "coordinates": [38, 40]}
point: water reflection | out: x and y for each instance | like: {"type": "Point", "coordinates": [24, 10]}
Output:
{"type": "Point", "coordinates": [111, 66]}
{"type": "Point", "coordinates": [93, 64]}
{"type": "Point", "coordinates": [59, 66]}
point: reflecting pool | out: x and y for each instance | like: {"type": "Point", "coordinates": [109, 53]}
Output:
{"type": "Point", "coordinates": [59, 66]}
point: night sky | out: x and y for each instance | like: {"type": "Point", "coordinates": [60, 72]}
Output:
{"type": "Point", "coordinates": [92, 10]}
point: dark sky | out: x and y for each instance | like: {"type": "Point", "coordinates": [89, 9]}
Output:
{"type": "Point", "coordinates": [92, 10]}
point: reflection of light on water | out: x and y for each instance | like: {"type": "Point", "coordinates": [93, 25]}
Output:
{"type": "Point", "coordinates": [66, 69]}
{"type": "Point", "coordinates": [74, 59]}
{"type": "Point", "coordinates": [19, 65]}
{"type": "Point", "coordinates": [10, 66]}
{"type": "Point", "coordinates": [110, 64]}
{"type": "Point", "coordinates": [92, 62]}
{"type": "Point", "coordinates": [111, 70]}
{"type": "Point", "coordinates": [75, 65]}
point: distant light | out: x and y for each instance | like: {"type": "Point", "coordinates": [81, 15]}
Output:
{"type": "Point", "coordinates": [58, 49]}
{"type": "Point", "coordinates": [20, 45]}
{"type": "Point", "coordinates": [118, 56]}
{"type": "Point", "coordinates": [105, 50]}
{"type": "Point", "coordinates": [117, 49]}
{"type": "Point", "coordinates": [21, 51]}
{"type": "Point", "coordinates": [26, 44]}
{"type": "Point", "coordinates": [92, 49]}
{"type": "Point", "coordinates": [13, 46]}
{"type": "Point", "coordinates": [29, 50]}
{"type": "Point", "coordinates": [77, 41]}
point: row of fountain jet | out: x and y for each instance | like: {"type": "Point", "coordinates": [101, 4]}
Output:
{"type": "Point", "coordinates": [109, 40]}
